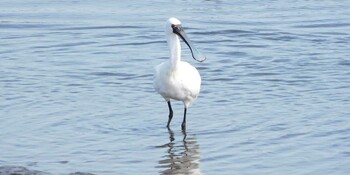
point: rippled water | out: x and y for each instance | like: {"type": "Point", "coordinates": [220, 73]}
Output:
{"type": "Point", "coordinates": [76, 87]}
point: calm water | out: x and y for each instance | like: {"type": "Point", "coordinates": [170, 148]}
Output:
{"type": "Point", "coordinates": [76, 87]}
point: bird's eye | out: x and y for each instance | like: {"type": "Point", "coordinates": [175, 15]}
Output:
{"type": "Point", "coordinates": [176, 27]}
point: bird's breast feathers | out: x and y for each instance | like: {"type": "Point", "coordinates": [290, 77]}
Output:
{"type": "Point", "coordinates": [180, 83]}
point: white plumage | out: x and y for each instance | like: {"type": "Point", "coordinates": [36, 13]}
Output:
{"type": "Point", "coordinates": [182, 83]}
{"type": "Point", "coordinates": [176, 79]}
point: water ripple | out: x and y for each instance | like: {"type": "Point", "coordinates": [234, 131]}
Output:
{"type": "Point", "coordinates": [76, 82]}
{"type": "Point", "coordinates": [323, 25]}
{"type": "Point", "coordinates": [100, 27]}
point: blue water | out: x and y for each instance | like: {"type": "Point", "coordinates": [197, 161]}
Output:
{"type": "Point", "coordinates": [76, 87]}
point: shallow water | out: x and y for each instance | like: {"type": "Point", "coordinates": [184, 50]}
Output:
{"type": "Point", "coordinates": [76, 87]}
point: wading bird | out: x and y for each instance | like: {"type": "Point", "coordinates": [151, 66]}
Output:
{"type": "Point", "coordinates": [176, 79]}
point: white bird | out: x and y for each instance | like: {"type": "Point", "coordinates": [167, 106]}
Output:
{"type": "Point", "coordinates": [176, 79]}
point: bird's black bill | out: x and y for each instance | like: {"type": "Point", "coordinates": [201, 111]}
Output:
{"type": "Point", "coordinates": [177, 29]}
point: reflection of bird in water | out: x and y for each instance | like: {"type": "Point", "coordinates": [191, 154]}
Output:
{"type": "Point", "coordinates": [182, 157]}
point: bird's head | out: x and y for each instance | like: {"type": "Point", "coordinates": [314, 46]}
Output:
{"type": "Point", "coordinates": [173, 27]}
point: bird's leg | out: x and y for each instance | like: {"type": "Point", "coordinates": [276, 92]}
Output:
{"type": "Point", "coordinates": [170, 114]}
{"type": "Point", "coordinates": [183, 125]}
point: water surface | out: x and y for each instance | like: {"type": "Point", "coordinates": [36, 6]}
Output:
{"type": "Point", "coordinates": [76, 87]}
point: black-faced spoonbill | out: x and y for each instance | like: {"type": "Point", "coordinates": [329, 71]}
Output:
{"type": "Point", "coordinates": [176, 79]}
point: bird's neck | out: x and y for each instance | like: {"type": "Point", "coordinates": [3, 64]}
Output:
{"type": "Point", "coordinates": [175, 50]}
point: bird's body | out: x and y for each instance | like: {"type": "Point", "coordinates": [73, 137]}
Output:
{"type": "Point", "coordinates": [181, 83]}
{"type": "Point", "coordinates": [176, 79]}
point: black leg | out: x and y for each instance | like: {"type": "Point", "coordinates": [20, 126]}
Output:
{"type": "Point", "coordinates": [184, 139]}
{"type": "Point", "coordinates": [183, 125]}
{"type": "Point", "coordinates": [170, 114]}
